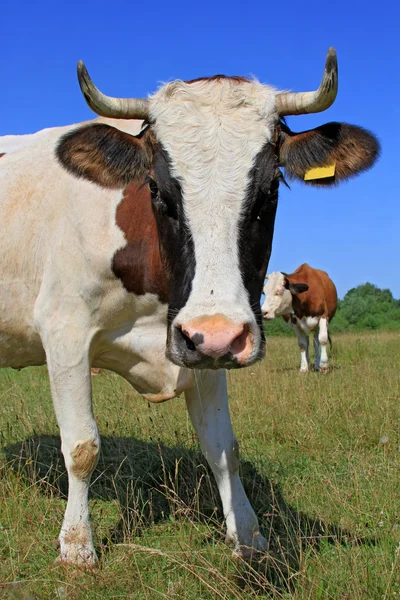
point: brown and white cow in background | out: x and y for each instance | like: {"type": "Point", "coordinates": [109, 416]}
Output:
{"type": "Point", "coordinates": [141, 246]}
{"type": "Point", "coordinates": [307, 300]}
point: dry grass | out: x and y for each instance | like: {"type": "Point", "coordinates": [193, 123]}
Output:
{"type": "Point", "coordinates": [320, 462]}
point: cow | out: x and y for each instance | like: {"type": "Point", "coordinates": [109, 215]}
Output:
{"type": "Point", "coordinates": [307, 300]}
{"type": "Point", "coordinates": [139, 243]}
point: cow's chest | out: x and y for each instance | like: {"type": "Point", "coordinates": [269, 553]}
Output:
{"type": "Point", "coordinates": [307, 324]}
{"type": "Point", "coordinates": [135, 346]}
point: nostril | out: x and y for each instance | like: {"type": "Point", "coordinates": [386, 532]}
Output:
{"type": "Point", "coordinates": [239, 343]}
{"type": "Point", "coordinates": [189, 344]}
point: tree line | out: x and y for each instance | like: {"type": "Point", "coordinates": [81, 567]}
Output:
{"type": "Point", "coordinates": [365, 307]}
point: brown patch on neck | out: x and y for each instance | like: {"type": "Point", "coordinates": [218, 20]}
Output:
{"type": "Point", "coordinates": [139, 264]}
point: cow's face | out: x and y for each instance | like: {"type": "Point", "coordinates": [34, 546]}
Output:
{"type": "Point", "coordinates": [279, 292]}
{"type": "Point", "coordinates": [211, 158]}
{"type": "Point", "coordinates": [215, 186]}
{"type": "Point", "coordinates": [278, 299]}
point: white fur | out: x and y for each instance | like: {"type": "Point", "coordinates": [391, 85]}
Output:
{"type": "Point", "coordinates": [323, 340]}
{"type": "Point", "coordinates": [308, 324]}
{"type": "Point", "coordinates": [207, 405]}
{"type": "Point", "coordinates": [212, 131]}
{"type": "Point", "coordinates": [278, 300]}
{"type": "Point", "coordinates": [303, 343]}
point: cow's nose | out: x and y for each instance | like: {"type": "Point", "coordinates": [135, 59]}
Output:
{"type": "Point", "coordinates": [217, 336]}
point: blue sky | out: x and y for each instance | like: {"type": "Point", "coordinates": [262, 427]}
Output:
{"type": "Point", "coordinates": [351, 231]}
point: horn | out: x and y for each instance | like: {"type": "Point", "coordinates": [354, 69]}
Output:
{"type": "Point", "coordinates": [300, 103]}
{"type": "Point", "coordinates": [107, 106]}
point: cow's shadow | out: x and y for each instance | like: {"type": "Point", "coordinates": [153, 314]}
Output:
{"type": "Point", "coordinates": [153, 482]}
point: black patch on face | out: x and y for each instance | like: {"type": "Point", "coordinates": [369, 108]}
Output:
{"type": "Point", "coordinates": [256, 227]}
{"type": "Point", "coordinates": [176, 244]}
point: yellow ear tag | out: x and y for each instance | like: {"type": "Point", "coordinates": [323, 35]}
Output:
{"type": "Point", "coordinates": [320, 172]}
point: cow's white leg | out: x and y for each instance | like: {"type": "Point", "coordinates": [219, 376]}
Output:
{"type": "Point", "coordinates": [317, 349]}
{"type": "Point", "coordinates": [302, 340]}
{"type": "Point", "coordinates": [323, 340]}
{"type": "Point", "coordinates": [69, 372]}
{"type": "Point", "coordinates": [207, 404]}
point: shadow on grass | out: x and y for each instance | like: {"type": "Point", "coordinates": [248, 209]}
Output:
{"type": "Point", "coordinates": [153, 482]}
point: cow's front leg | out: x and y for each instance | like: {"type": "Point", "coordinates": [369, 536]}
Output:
{"type": "Point", "coordinates": [207, 404]}
{"type": "Point", "coordinates": [302, 341]}
{"type": "Point", "coordinates": [69, 372]}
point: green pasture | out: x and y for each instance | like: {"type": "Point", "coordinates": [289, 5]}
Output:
{"type": "Point", "coordinates": [320, 461]}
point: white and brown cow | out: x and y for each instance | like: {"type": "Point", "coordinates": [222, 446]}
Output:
{"type": "Point", "coordinates": [307, 300]}
{"type": "Point", "coordinates": [141, 245]}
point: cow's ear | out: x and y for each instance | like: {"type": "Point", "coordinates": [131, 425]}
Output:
{"type": "Point", "coordinates": [295, 288]}
{"type": "Point", "coordinates": [347, 148]}
{"type": "Point", "coordinates": [104, 155]}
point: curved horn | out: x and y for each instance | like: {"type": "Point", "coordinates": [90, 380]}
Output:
{"type": "Point", "coordinates": [107, 106]}
{"type": "Point", "coordinates": [300, 103]}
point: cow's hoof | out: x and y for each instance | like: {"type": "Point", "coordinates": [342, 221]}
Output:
{"type": "Point", "coordinates": [324, 370]}
{"type": "Point", "coordinates": [303, 371]}
{"type": "Point", "coordinates": [247, 553]}
{"type": "Point", "coordinates": [78, 556]}
{"type": "Point", "coordinates": [254, 552]}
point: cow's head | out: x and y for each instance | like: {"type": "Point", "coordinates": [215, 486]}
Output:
{"type": "Point", "coordinates": [211, 156]}
{"type": "Point", "coordinates": [279, 292]}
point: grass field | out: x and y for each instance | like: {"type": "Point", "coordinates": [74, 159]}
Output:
{"type": "Point", "coordinates": [320, 461]}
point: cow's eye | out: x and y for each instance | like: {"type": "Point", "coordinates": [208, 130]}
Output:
{"type": "Point", "coordinates": [258, 208]}
{"type": "Point", "coordinates": [153, 188]}
{"type": "Point", "coordinates": [267, 197]}
{"type": "Point", "coordinates": [160, 203]}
